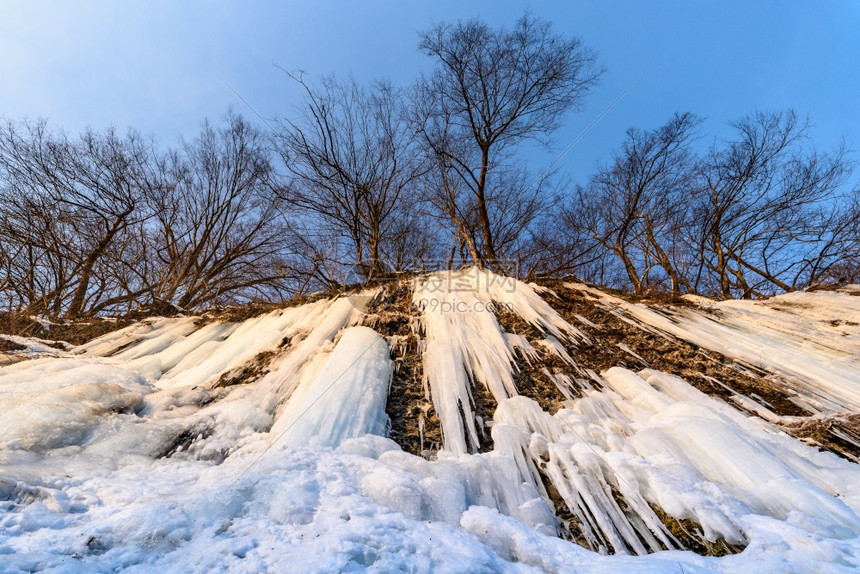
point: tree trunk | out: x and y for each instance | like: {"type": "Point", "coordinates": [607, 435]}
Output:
{"type": "Point", "coordinates": [631, 271]}
{"type": "Point", "coordinates": [76, 306]}
{"type": "Point", "coordinates": [483, 214]}
{"type": "Point", "coordinates": [664, 261]}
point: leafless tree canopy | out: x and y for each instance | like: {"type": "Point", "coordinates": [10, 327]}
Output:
{"type": "Point", "coordinates": [760, 213]}
{"type": "Point", "coordinates": [218, 222]}
{"type": "Point", "coordinates": [68, 208]}
{"type": "Point", "coordinates": [105, 223]}
{"type": "Point", "coordinates": [489, 91]}
{"type": "Point", "coordinates": [769, 205]}
{"type": "Point", "coordinates": [371, 179]}
{"type": "Point", "coordinates": [354, 173]}
{"type": "Point", "coordinates": [637, 206]}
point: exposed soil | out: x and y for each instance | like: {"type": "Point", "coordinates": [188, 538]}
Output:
{"type": "Point", "coordinates": [73, 332]}
{"type": "Point", "coordinates": [839, 434]}
{"type": "Point", "coordinates": [414, 423]}
{"type": "Point", "coordinates": [82, 331]}
{"type": "Point", "coordinates": [239, 313]}
{"type": "Point", "coordinates": [691, 536]}
{"type": "Point", "coordinates": [7, 345]}
{"type": "Point", "coordinates": [252, 370]}
{"type": "Point", "coordinates": [834, 287]}
{"type": "Point", "coordinates": [670, 355]}
{"type": "Point", "coordinates": [484, 406]}
{"type": "Point", "coordinates": [530, 379]}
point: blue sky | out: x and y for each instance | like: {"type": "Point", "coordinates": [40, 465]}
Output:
{"type": "Point", "coordinates": [162, 66]}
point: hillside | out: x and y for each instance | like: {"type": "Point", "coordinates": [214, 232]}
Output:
{"type": "Point", "coordinates": [446, 422]}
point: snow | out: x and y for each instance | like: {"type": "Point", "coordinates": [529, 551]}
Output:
{"type": "Point", "coordinates": [52, 403]}
{"type": "Point", "coordinates": [37, 347]}
{"type": "Point", "coordinates": [30, 348]}
{"type": "Point", "coordinates": [124, 454]}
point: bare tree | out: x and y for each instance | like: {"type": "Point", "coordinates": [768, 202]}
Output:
{"type": "Point", "coordinates": [219, 231]}
{"type": "Point", "coordinates": [35, 272]}
{"type": "Point", "coordinates": [757, 214]}
{"type": "Point", "coordinates": [637, 207]}
{"type": "Point", "coordinates": [352, 159]}
{"type": "Point", "coordinates": [830, 243]}
{"type": "Point", "coordinates": [108, 224]}
{"type": "Point", "coordinates": [560, 243]}
{"type": "Point", "coordinates": [491, 90]}
{"type": "Point", "coordinates": [68, 204]}
{"type": "Point", "coordinates": [759, 204]}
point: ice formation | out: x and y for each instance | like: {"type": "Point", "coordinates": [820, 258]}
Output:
{"type": "Point", "coordinates": [130, 451]}
{"type": "Point", "coordinates": [810, 339]}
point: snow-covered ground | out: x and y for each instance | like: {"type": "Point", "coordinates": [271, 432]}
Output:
{"type": "Point", "coordinates": [126, 453]}
{"type": "Point", "coordinates": [27, 348]}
